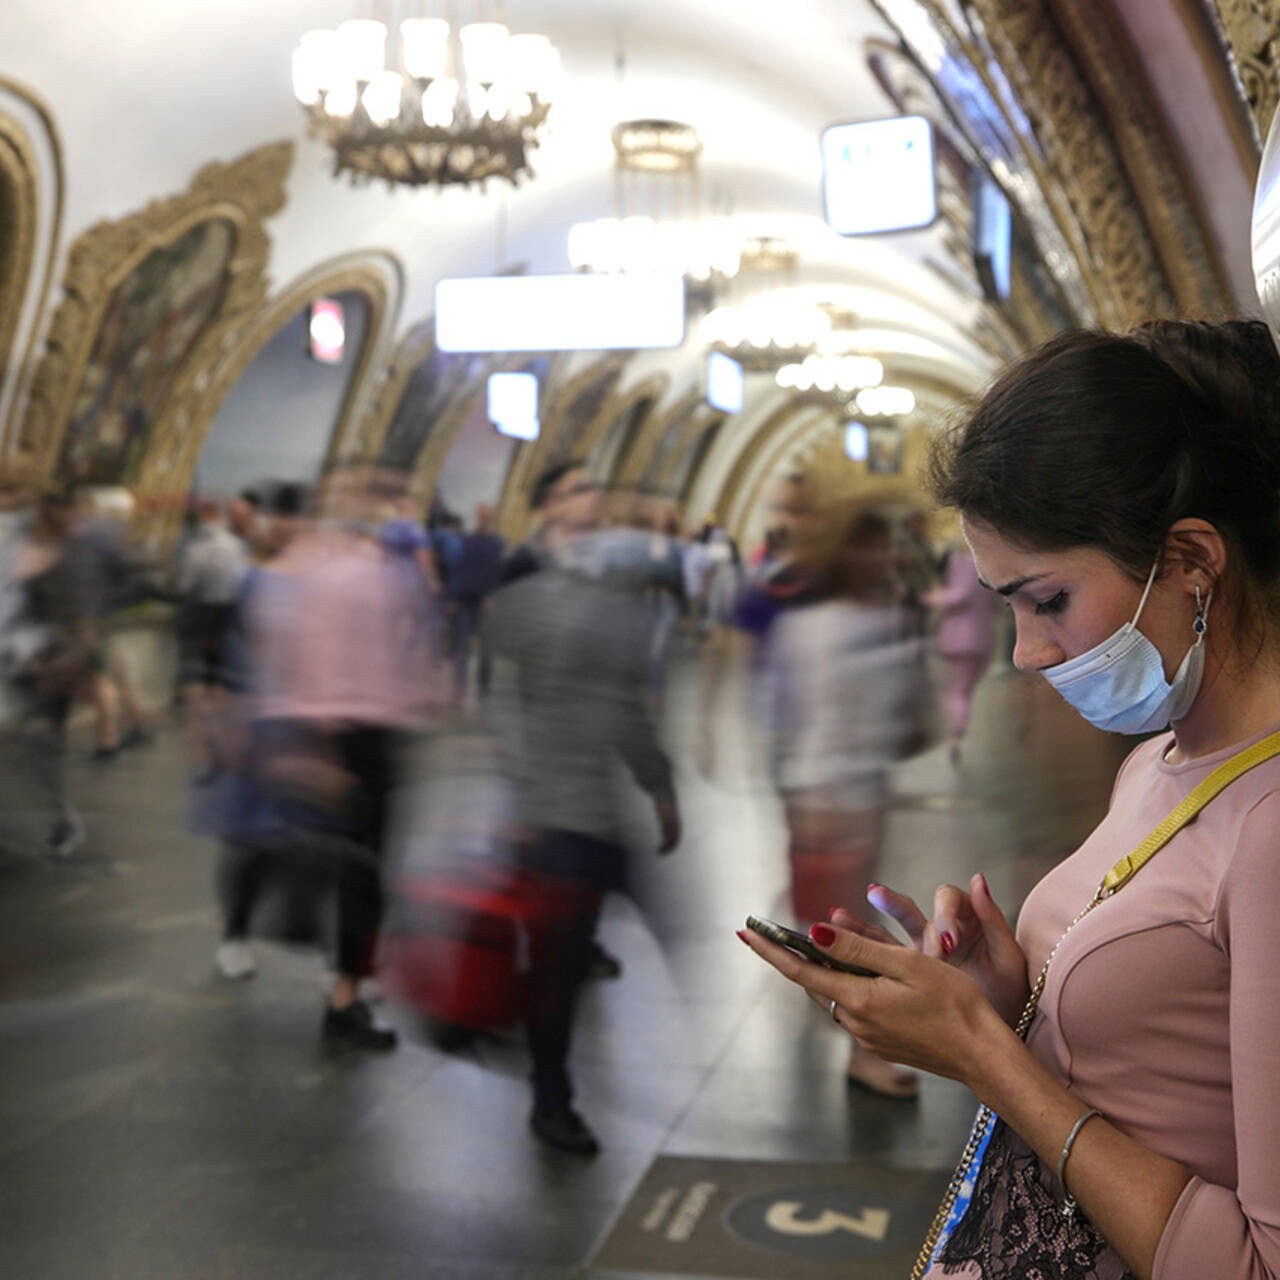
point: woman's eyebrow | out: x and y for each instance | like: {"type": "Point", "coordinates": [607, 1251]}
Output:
{"type": "Point", "coordinates": [1016, 585]}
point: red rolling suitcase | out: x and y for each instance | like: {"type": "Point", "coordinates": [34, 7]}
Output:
{"type": "Point", "coordinates": [461, 940]}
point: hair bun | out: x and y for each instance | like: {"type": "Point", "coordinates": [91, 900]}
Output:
{"type": "Point", "coordinates": [1233, 367]}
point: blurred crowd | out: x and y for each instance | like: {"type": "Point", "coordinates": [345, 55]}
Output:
{"type": "Point", "coordinates": [323, 636]}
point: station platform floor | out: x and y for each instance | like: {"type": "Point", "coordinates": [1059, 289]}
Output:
{"type": "Point", "coordinates": [159, 1121]}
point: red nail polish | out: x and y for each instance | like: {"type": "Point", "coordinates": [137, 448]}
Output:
{"type": "Point", "coordinates": [742, 933]}
{"type": "Point", "coordinates": [824, 935]}
{"type": "Point", "coordinates": [948, 944]}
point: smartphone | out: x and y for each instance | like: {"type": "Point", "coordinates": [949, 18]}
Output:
{"type": "Point", "coordinates": [802, 945]}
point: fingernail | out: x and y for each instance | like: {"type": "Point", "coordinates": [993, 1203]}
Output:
{"type": "Point", "coordinates": [948, 944]}
{"type": "Point", "coordinates": [742, 933]}
{"type": "Point", "coordinates": [831, 915]}
{"type": "Point", "coordinates": [824, 935]}
{"type": "Point", "coordinates": [874, 885]}
{"type": "Point", "coordinates": [982, 880]}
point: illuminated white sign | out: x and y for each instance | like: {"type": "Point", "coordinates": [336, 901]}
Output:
{"type": "Point", "coordinates": [992, 238]}
{"type": "Point", "coordinates": [513, 404]}
{"type": "Point", "coordinates": [878, 175]}
{"type": "Point", "coordinates": [855, 441]}
{"type": "Point", "coordinates": [726, 384]}
{"type": "Point", "coordinates": [559, 313]}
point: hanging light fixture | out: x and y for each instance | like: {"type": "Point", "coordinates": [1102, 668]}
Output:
{"type": "Point", "coordinates": [832, 373]}
{"type": "Point", "coordinates": [656, 168]}
{"type": "Point", "coordinates": [450, 105]}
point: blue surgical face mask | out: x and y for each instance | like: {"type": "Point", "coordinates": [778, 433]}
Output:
{"type": "Point", "coordinates": [1119, 685]}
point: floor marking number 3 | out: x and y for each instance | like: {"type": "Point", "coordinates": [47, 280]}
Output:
{"type": "Point", "coordinates": [784, 1217]}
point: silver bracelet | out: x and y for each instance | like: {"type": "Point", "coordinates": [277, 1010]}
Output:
{"type": "Point", "coordinates": [1069, 1207]}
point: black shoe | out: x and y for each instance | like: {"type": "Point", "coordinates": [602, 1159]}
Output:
{"type": "Point", "coordinates": [602, 964]}
{"type": "Point", "coordinates": [356, 1027]}
{"type": "Point", "coordinates": [102, 754]}
{"type": "Point", "coordinates": [564, 1129]}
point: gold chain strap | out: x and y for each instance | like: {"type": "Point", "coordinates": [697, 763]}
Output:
{"type": "Point", "coordinates": [1111, 884]}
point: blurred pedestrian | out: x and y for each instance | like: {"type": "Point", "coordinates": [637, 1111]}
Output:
{"type": "Point", "coordinates": [966, 637]}
{"type": "Point", "coordinates": [849, 695]}
{"type": "Point", "coordinates": [477, 574]}
{"type": "Point", "coordinates": [213, 567]}
{"type": "Point", "coordinates": [575, 648]}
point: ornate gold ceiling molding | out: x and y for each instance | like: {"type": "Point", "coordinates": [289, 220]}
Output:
{"type": "Point", "coordinates": [1251, 31]}
{"type": "Point", "coordinates": [1040, 128]}
{"type": "Point", "coordinates": [1173, 209]}
{"type": "Point", "coordinates": [20, 215]}
{"type": "Point", "coordinates": [1076, 142]}
{"type": "Point", "coordinates": [1042, 301]}
{"type": "Point", "coordinates": [243, 193]}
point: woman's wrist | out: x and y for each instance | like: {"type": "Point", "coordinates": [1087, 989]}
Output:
{"type": "Point", "coordinates": [991, 1049]}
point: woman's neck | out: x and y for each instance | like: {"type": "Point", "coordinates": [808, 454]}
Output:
{"type": "Point", "coordinates": [1238, 700]}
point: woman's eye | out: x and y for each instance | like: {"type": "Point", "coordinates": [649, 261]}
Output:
{"type": "Point", "coordinates": [1055, 604]}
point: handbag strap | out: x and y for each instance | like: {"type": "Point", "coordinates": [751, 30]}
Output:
{"type": "Point", "coordinates": [1115, 880]}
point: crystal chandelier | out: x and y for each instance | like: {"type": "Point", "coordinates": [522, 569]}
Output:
{"type": "Point", "coordinates": [699, 250]}
{"type": "Point", "coordinates": [832, 373]}
{"type": "Point", "coordinates": [450, 105]}
{"type": "Point", "coordinates": [656, 167]}
{"type": "Point", "coordinates": [769, 331]}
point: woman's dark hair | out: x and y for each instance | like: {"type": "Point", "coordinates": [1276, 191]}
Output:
{"type": "Point", "coordinates": [1106, 440]}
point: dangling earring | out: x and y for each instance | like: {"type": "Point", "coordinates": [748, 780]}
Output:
{"type": "Point", "coordinates": [1199, 626]}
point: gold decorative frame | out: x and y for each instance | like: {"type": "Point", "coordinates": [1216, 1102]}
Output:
{"type": "Point", "coordinates": [531, 459]}
{"type": "Point", "coordinates": [245, 193]}
{"type": "Point", "coordinates": [375, 276]}
{"type": "Point", "coordinates": [442, 437]}
{"type": "Point", "coordinates": [692, 435]}
{"type": "Point", "coordinates": [651, 389]}
{"type": "Point", "coordinates": [1174, 211]}
{"type": "Point", "coordinates": [635, 466]}
{"type": "Point", "coordinates": [1251, 30]}
{"type": "Point", "coordinates": [19, 166]}
{"type": "Point", "coordinates": [392, 380]}
{"type": "Point", "coordinates": [18, 176]}
{"type": "Point", "coordinates": [737, 495]}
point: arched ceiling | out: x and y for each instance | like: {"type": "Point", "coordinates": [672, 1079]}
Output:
{"type": "Point", "coordinates": [146, 92]}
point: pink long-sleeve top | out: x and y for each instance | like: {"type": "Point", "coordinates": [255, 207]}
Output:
{"type": "Point", "coordinates": [1162, 1008]}
{"type": "Point", "coordinates": [969, 610]}
{"type": "Point", "coordinates": [340, 635]}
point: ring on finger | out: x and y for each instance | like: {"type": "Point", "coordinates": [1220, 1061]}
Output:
{"type": "Point", "coordinates": [834, 1016]}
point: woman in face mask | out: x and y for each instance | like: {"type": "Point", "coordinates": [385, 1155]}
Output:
{"type": "Point", "coordinates": [1122, 494]}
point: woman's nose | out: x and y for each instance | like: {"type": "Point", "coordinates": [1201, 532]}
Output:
{"type": "Point", "coordinates": [1034, 651]}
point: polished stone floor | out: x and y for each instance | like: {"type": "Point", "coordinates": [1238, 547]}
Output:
{"type": "Point", "coordinates": [156, 1121]}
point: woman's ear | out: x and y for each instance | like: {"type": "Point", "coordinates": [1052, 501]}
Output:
{"type": "Point", "coordinates": [1196, 552]}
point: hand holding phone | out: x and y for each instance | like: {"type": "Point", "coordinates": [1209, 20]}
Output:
{"type": "Point", "coordinates": [803, 946]}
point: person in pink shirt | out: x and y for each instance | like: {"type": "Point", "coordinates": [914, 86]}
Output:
{"type": "Point", "coordinates": [965, 638]}
{"type": "Point", "coordinates": [1122, 494]}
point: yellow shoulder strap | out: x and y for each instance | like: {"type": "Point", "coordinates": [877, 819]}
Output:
{"type": "Point", "coordinates": [1225, 774]}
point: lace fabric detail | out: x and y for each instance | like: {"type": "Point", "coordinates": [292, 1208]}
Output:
{"type": "Point", "coordinates": [1014, 1228]}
